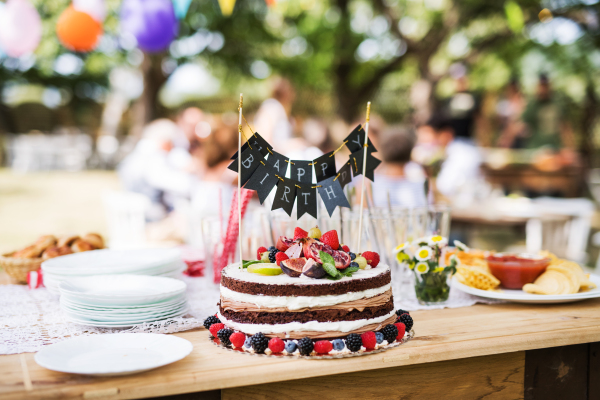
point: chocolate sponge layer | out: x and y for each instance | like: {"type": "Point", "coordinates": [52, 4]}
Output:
{"type": "Point", "coordinates": [321, 315]}
{"type": "Point", "coordinates": [333, 288]}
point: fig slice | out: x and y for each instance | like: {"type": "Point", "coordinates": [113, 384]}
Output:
{"type": "Point", "coordinates": [284, 243]}
{"type": "Point", "coordinates": [293, 266]}
{"type": "Point", "coordinates": [313, 270]}
{"type": "Point", "coordinates": [295, 251]}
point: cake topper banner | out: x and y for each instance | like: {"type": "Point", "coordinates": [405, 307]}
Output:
{"type": "Point", "coordinates": [263, 169]}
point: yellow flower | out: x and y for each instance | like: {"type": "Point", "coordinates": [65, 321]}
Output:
{"type": "Point", "coordinates": [422, 268]}
{"type": "Point", "coordinates": [401, 248]}
{"type": "Point", "coordinates": [424, 253]}
{"type": "Point", "coordinates": [411, 265]}
{"type": "Point", "coordinates": [438, 269]}
{"type": "Point", "coordinates": [437, 240]}
{"type": "Point", "coordinates": [402, 257]}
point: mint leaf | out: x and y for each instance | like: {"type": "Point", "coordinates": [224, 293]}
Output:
{"type": "Point", "coordinates": [349, 270]}
{"type": "Point", "coordinates": [247, 263]}
{"type": "Point", "coordinates": [326, 258]}
{"type": "Point", "coordinates": [331, 270]}
{"type": "Point", "coordinates": [338, 277]}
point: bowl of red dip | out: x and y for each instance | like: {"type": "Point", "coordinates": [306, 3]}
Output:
{"type": "Point", "coordinates": [515, 270]}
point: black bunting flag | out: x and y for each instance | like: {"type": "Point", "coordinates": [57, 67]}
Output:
{"type": "Point", "coordinates": [357, 164]}
{"type": "Point", "coordinates": [263, 181]}
{"type": "Point", "coordinates": [301, 171]}
{"type": "Point", "coordinates": [250, 161]}
{"type": "Point", "coordinates": [285, 196]}
{"type": "Point", "coordinates": [332, 194]}
{"type": "Point", "coordinates": [307, 200]}
{"type": "Point", "coordinates": [345, 175]}
{"type": "Point", "coordinates": [258, 142]}
{"type": "Point", "coordinates": [325, 166]}
{"type": "Point", "coordinates": [356, 140]}
{"type": "Point", "coordinates": [279, 162]}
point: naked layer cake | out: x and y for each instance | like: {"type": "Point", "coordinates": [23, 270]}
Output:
{"type": "Point", "coordinates": [308, 295]}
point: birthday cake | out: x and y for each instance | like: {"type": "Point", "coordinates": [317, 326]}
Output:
{"type": "Point", "coordinates": [308, 295]}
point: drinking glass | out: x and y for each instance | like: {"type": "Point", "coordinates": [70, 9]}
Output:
{"type": "Point", "coordinates": [438, 220]}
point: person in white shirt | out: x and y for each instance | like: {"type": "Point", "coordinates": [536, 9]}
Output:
{"type": "Point", "coordinates": [461, 165]}
{"type": "Point", "coordinates": [272, 120]}
{"type": "Point", "coordinates": [392, 186]}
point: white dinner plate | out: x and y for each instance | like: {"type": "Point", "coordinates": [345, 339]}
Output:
{"type": "Point", "coordinates": [121, 324]}
{"type": "Point", "coordinates": [109, 261]}
{"type": "Point", "coordinates": [519, 296]}
{"type": "Point", "coordinates": [113, 354]}
{"type": "Point", "coordinates": [105, 315]}
{"type": "Point", "coordinates": [121, 310]}
{"type": "Point", "coordinates": [121, 289]}
{"type": "Point", "coordinates": [127, 319]}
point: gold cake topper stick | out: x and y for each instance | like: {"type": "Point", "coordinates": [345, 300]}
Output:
{"type": "Point", "coordinates": [364, 172]}
{"type": "Point", "coordinates": [239, 188]}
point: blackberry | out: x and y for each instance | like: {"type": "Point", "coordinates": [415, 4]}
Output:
{"type": "Point", "coordinates": [290, 346]}
{"type": "Point", "coordinates": [210, 320]}
{"type": "Point", "coordinates": [352, 256]}
{"type": "Point", "coordinates": [400, 312]}
{"type": "Point", "coordinates": [379, 336]}
{"type": "Point", "coordinates": [407, 321]}
{"type": "Point", "coordinates": [353, 342]}
{"type": "Point", "coordinates": [260, 342]}
{"type": "Point", "coordinates": [390, 332]}
{"type": "Point", "coordinates": [272, 254]}
{"type": "Point", "coordinates": [272, 248]}
{"type": "Point", "coordinates": [223, 336]}
{"type": "Point", "coordinates": [306, 346]}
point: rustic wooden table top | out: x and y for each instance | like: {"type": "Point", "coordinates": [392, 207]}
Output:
{"type": "Point", "coordinates": [441, 335]}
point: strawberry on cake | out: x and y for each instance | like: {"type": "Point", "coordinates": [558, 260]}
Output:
{"type": "Point", "coordinates": [308, 295]}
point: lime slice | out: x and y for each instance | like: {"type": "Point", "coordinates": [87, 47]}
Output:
{"type": "Point", "coordinates": [265, 269]}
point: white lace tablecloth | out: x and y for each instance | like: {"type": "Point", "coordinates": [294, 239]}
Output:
{"type": "Point", "coordinates": [30, 319]}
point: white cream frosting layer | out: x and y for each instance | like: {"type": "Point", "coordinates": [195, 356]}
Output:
{"type": "Point", "coordinates": [298, 302]}
{"type": "Point", "coordinates": [242, 274]}
{"type": "Point", "coordinates": [312, 326]}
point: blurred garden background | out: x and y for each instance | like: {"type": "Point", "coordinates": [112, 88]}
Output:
{"type": "Point", "coordinates": [84, 86]}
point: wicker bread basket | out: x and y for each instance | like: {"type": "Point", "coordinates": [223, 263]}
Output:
{"type": "Point", "coordinates": [18, 268]}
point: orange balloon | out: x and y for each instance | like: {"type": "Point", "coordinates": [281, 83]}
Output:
{"type": "Point", "coordinates": [77, 30]}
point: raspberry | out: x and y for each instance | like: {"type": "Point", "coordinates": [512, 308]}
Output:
{"type": "Point", "coordinates": [237, 339]}
{"type": "Point", "coordinates": [215, 328]}
{"type": "Point", "coordinates": [276, 345]}
{"type": "Point", "coordinates": [369, 340]}
{"type": "Point", "coordinates": [260, 342]}
{"type": "Point", "coordinates": [208, 322]}
{"type": "Point", "coordinates": [260, 251]}
{"type": "Point", "coordinates": [279, 257]}
{"type": "Point", "coordinates": [323, 346]}
{"type": "Point", "coordinates": [346, 248]}
{"type": "Point", "coordinates": [401, 330]}
{"type": "Point", "coordinates": [224, 335]}
{"type": "Point", "coordinates": [306, 346]}
{"type": "Point", "coordinates": [372, 258]}
{"type": "Point", "coordinates": [353, 342]}
{"type": "Point", "coordinates": [300, 233]}
{"type": "Point", "coordinates": [331, 238]}
{"type": "Point", "coordinates": [390, 333]}
{"type": "Point", "coordinates": [407, 320]}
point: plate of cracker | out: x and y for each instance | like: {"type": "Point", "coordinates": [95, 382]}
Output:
{"type": "Point", "coordinates": [561, 281]}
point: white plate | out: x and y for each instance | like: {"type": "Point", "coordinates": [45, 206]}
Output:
{"type": "Point", "coordinates": [113, 354]}
{"type": "Point", "coordinates": [109, 261]}
{"type": "Point", "coordinates": [129, 319]}
{"type": "Point", "coordinates": [121, 310]}
{"type": "Point", "coordinates": [519, 296]}
{"type": "Point", "coordinates": [121, 324]}
{"type": "Point", "coordinates": [121, 289]}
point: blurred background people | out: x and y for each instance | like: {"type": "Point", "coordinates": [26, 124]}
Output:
{"type": "Point", "coordinates": [148, 170]}
{"type": "Point", "coordinates": [510, 110]}
{"type": "Point", "coordinates": [272, 120]}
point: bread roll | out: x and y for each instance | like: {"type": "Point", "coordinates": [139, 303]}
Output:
{"type": "Point", "coordinates": [56, 252]}
{"type": "Point", "coordinates": [81, 245]}
{"type": "Point", "coordinates": [28, 252]}
{"type": "Point", "coordinates": [95, 240]}
{"type": "Point", "coordinates": [44, 242]}
{"type": "Point", "coordinates": [67, 240]}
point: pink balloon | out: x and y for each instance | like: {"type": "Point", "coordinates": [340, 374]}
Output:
{"type": "Point", "coordinates": [20, 28]}
{"type": "Point", "coordinates": [95, 8]}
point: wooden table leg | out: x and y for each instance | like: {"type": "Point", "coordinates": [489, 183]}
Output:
{"type": "Point", "coordinates": [491, 377]}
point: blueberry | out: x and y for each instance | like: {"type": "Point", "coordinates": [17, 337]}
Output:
{"type": "Point", "coordinates": [354, 264]}
{"type": "Point", "coordinates": [352, 255]}
{"type": "Point", "coordinates": [248, 342]}
{"type": "Point", "coordinates": [338, 344]}
{"type": "Point", "coordinates": [379, 337]}
{"type": "Point", "coordinates": [272, 248]}
{"type": "Point", "coordinates": [290, 346]}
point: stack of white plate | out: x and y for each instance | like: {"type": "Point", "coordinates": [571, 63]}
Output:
{"type": "Point", "coordinates": [119, 301]}
{"type": "Point", "coordinates": [156, 262]}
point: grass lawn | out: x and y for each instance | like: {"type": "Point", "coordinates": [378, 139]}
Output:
{"type": "Point", "coordinates": [55, 202]}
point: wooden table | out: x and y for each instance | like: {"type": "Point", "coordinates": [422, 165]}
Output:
{"type": "Point", "coordinates": [504, 351]}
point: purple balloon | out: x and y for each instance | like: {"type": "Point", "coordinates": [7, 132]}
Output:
{"type": "Point", "coordinates": [152, 23]}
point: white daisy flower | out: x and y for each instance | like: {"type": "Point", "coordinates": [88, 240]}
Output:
{"type": "Point", "coordinates": [437, 240]}
{"type": "Point", "coordinates": [461, 246]}
{"type": "Point", "coordinates": [424, 253]}
{"type": "Point", "coordinates": [454, 260]}
{"type": "Point", "coordinates": [422, 268]}
{"type": "Point", "coordinates": [401, 248]}
{"type": "Point", "coordinates": [421, 241]}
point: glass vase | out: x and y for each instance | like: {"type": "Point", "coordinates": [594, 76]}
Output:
{"type": "Point", "coordinates": [433, 288]}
